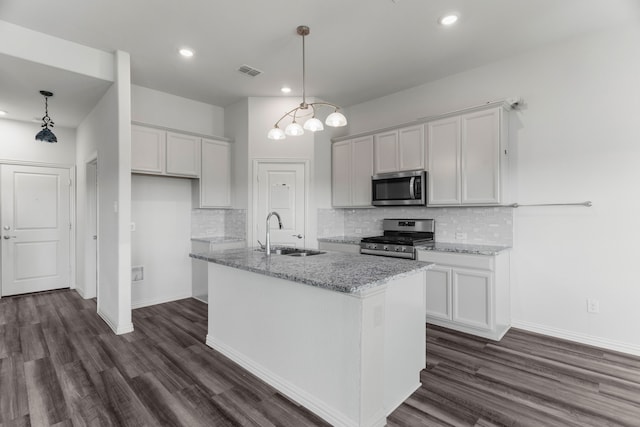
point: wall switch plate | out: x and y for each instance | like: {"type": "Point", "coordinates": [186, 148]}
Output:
{"type": "Point", "coordinates": [593, 305]}
{"type": "Point", "coordinates": [358, 230]}
{"type": "Point", "coordinates": [461, 236]}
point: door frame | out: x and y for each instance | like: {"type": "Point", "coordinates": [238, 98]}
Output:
{"type": "Point", "coordinates": [92, 162]}
{"type": "Point", "coordinates": [72, 210]}
{"type": "Point", "coordinates": [251, 215]}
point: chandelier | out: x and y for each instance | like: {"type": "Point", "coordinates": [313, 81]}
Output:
{"type": "Point", "coordinates": [335, 119]}
{"type": "Point", "coordinates": [45, 134]}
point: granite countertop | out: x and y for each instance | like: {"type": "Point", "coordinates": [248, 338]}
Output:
{"type": "Point", "coordinates": [337, 271]}
{"type": "Point", "coordinates": [217, 239]}
{"type": "Point", "coordinates": [465, 248]}
{"type": "Point", "coordinates": [352, 240]}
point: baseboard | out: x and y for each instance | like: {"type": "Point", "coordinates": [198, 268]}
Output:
{"type": "Point", "coordinates": [80, 292]}
{"type": "Point", "coordinates": [285, 387]}
{"type": "Point", "coordinates": [117, 329]}
{"type": "Point", "coordinates": [161, 300]}
{"type": "Point", "coordinates": [579, 338]}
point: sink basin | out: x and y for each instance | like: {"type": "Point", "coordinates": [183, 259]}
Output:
{"type": "Point", "coordinates": [296, 252]}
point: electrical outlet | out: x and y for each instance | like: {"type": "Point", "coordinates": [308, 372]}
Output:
{"type": "Point", "coordinates": [461, 236]}
{"type": "Point", "coordinates": [593, 305]}
{"type": "Point", "coordinates": [358, 230]}
{"type": "Point", "coordinates": [133, 226]}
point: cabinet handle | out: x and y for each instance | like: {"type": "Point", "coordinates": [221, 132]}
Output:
{"type": "Point", "coordinates": [299, 236]}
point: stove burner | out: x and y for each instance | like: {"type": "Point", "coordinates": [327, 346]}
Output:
{"type": "Point", "coordinates": [400, 238]}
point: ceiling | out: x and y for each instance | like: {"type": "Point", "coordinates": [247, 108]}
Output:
{"type": "Point", "coordinates": [357, 50]}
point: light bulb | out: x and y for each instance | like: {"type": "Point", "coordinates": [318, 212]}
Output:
{"type": "Point", "coordinates": [294, 129]}
{"type": "Point", "coordinates": [448, 20]}
{"type": "Point", "coordinates": [276, 133]}
{"type": "Point", "coordinates": [313, 125]}
{"type": "Point", "coordinates": [336, 119]}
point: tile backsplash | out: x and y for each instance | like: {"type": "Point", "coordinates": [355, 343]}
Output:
{"type": "Point", "coordinates": [488, 226]}
{"type": "Point", "coordinates": [219, 223]}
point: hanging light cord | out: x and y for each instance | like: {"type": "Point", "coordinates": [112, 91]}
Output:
{"type": "Point", "coordinates": [46, 120]}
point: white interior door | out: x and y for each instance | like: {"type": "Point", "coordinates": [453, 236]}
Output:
{"type": "Point", "coordinates": [281, 188]}
{"type": "Point", "coordinates": [35, 216]}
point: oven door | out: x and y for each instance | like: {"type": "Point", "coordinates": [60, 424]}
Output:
{"type": "Point", "coordinates": [399, 189]}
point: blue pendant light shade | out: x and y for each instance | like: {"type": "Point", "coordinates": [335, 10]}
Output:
{"type": "Point", "coordinates": [45, 134]}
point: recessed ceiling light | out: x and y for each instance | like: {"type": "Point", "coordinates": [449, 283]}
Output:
{"type": "Point", "coordinates": [448, 19]}
{"type": "Point", "coordinates": [285, 89]}
{"type": "Point", "coordinates": [186, 52]}
{"type": "Point", "coordinates": [3, 113]}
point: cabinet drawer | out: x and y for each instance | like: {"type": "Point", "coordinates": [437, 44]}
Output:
{"type": "Point", "coordinates": [482, 262]}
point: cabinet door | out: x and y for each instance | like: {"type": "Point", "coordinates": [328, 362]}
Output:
{"type": "Point", "coordinates": [386, 152]}
{"type": "Point", "coordinates": [438, 293]}
{"type": "Point", "coordinates": [411, 148]}
{"type": "Point", "coordinates": [361, 171]}
{"type": "Point", "coordinates": [473, 298]}
{"type": "Point", "coordinates": [481, 157]}
{"type": "Point", "coordinates": [215, 175]}
{"type": "Point", "coordinates": [147, 150]}
{"type": "Point", "coordinates": [341, 174]}
{"type": "Point", "coordinates": [443, 146]}
{"type": "Point", "coordinates": [183, 155]}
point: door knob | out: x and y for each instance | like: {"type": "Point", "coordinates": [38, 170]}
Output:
{"type": "Point", "coordinates": [7, 228]}
{"type": "Point", "coordinates": [9, 237]}
{"type": "Point", "coordinates": [299, 236]}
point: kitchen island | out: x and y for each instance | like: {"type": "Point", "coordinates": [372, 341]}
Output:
{"type": "Point", "coordinates": [341, 334]}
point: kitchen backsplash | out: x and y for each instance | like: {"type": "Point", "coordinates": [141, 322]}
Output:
{"type": "Point", "coordinates": [488, 226]}
{"type": "Point", "coordinates": [219, 223]}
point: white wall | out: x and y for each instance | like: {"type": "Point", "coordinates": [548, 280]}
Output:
{"type": "Point", "coordinates": [17, 142]}
{"type": "Point", "coordinates": [575, 139]}
{"type": "Point", "coordinates": [106, 133]}
{"type": "Point", "coordinates": [316, 148]}
{"type": "Point", "coordinates": [161, 206]}
{"type": "Point", "coordinates": [162, 109]}
{"type": "Point", "coordinates": [236, 125]}
{"type": "Point", "coordinates": [161, 241]}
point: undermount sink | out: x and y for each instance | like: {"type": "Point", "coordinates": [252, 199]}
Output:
{"type": "Point", "coordinates": [294, 251]}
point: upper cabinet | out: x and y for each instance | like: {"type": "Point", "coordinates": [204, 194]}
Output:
{"type": "Point", "coordinates": [352, 167]}
{"type": "Point", "coordinates": [183, 155]}
{"type": "Point", "coordinates": [147, 149]}
{"type": "Point", "coordinates": [158, 152]}
{"type": "Point", "coordinates": [215, 179]}
{"type": "Point", "coordinates": [167, 153]}
{"type": "Point", "coordinates": [399, 150]}
{"type": "Point", "coordinates": [467, 159]}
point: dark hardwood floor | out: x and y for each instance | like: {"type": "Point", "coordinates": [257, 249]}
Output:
{"type": "Point", "coordinates": [61, 365]}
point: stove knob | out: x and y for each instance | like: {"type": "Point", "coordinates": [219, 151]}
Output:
{"type": "Point", "coordinates": [404, 249]}
{"type": "Point", "coordinates": [385, 248]}
{"type": "Point", "coordinates": [397, 248]}
{"type": "Point", "coordinates": [372, 246]}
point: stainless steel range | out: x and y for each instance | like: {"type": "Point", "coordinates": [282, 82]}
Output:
{"type": "Point", "coordinates": [400, 238]}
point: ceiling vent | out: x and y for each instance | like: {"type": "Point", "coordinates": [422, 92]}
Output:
{"type": "Point", "coordinates": [249, 71]}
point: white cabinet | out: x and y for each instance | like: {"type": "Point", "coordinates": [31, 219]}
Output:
{"type": "Point", "coordinates": [147, 149]}
{"type": "Point", "coordinates": [183, 155]}
{"type": "Point", "coordinates": [215, 174]}
{"type": "Point", "coordinates": [467, 158]}
{"type": "Point", "coordinates": [352, 167]}
{"type": "Point", "coordinates": [469, 293]}
{"type": "Point", "coordinates": [200, 268]}
{"type": "Point", "coordinates": [158, 152]}
{"type": "Point", "coordinates": [399, 150]}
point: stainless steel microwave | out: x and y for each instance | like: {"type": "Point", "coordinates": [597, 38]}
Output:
{"type": "Point", "coordinates": [399, 188]}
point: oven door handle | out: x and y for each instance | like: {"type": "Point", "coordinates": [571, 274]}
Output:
{"type": "Point", "coordinates": [412, 191]}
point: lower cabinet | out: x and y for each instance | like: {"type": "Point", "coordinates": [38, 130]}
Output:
{"type": "Point", "coordinates": [468, 293]}
{"type": "Point", "coordinates": [200, 268]}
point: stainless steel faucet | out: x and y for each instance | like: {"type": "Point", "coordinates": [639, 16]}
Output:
{"type": "Point", "coordinates": [268, 237]}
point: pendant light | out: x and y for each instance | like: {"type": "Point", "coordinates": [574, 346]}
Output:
{"type": "Point", "coordinates": [335, 119]}
{"type": "Point", "coordinates": [45, 134]}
